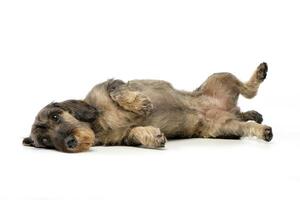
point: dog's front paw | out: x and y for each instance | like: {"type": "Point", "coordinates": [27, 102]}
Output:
{"type": "Point", "coordinates": [133, 101]}
{"type": "Point", "coordinates": [143, 105]}
{"type": "Point", "coordinates": [160, 140]}
{"type": "Point", "coordinates": [155, 138]}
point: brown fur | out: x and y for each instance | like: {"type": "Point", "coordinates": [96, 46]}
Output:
{"type": "Point", "coordinates": [146, 112]}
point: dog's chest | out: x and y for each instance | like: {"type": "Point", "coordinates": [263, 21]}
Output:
{"type": "Point", "coordinates": [114, 137]}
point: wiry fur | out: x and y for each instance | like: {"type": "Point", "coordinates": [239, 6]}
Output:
{"type": "Point", "coordinates": [148, 112]}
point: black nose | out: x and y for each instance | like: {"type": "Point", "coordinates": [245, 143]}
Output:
{"type": "Point", "coordinates": [71, 142]}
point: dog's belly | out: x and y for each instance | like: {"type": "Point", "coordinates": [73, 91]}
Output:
{"type": "Point", "coordinates": [177, 124]}
{"type": "Point", "coordinates": [172, 111]}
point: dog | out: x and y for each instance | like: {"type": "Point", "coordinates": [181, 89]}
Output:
{"type": "Point", "coordinates": [148, 112]}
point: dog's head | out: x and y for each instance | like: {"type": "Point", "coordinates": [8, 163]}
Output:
{"type": "Point", "coordinates": [64, 126]}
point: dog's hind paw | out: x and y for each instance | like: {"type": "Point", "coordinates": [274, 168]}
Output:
{"type": "Point", "coordinates": [268, 134]}
{"type": "Point", "coordinates": [252, 115]}
{"type": "Point", "coordinates": [262, 71]}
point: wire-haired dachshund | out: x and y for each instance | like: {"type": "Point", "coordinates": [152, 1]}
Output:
{"type": "Point", "coordinates": [148, 112]}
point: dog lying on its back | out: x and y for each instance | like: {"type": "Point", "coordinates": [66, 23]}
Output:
{"type": "Point", "coordinates": [148, 112]}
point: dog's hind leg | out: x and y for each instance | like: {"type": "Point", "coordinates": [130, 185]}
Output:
{"type": "Point", "coordinates": [250, 88]}
{"type": "Point", "coordinates": [227, 87]}
{"type": "Point", "coordinates": [250, 116]}
{"type": "Point", "coordinates": [129, 99]}
{"type": "Point", "coordinates": [147, 136]}
{"type": "Point", "coordinates": [234, 128]}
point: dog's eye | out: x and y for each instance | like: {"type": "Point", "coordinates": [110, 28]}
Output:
{"type": "Point", "coordinates": [55, 117]}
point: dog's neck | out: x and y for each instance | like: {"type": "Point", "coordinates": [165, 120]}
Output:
{"type": "Point", "coordinates": [96, 127]}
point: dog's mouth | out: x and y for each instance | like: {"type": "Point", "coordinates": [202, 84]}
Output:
{"type": "Point", "coordinates": [79, 140]}
{"type": "Point", "coordinates": [74, 143]}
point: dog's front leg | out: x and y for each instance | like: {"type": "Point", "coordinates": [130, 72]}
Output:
{"type": "Point", "coordinates": [129, 99]}
{"type": "Point", "coordinates": [148, 137]}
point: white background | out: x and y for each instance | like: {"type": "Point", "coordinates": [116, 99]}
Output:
{"type": "Point", "coordinates": [57, 50]}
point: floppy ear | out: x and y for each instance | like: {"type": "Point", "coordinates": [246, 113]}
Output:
{"type": "Point", "coordinates": [80, 110]}
{"type": "Point", "coordinates": [28, 142]}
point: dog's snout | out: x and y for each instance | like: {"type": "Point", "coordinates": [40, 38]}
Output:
{"type": "Point", "coordinates": [71, 142]}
